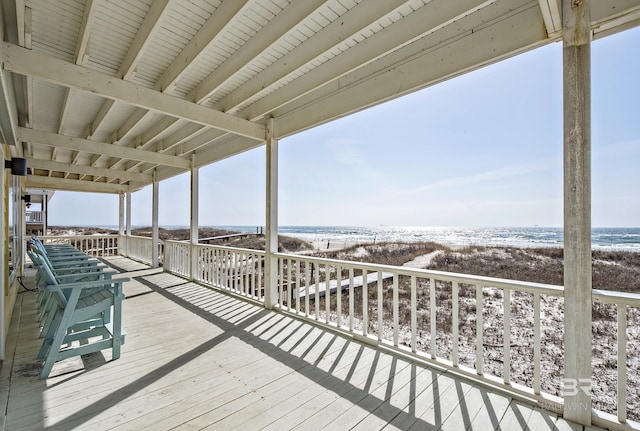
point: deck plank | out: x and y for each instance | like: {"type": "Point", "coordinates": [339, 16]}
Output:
{"type": "Point", "coordinates": [197, 358]}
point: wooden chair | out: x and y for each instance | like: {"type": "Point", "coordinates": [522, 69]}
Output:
{"type": "Point", "coordinates": [50, 276]}
{"type": "Point", "coordinates": [83, 316]}
{"type": "Point", "coordinates": [67, 271]}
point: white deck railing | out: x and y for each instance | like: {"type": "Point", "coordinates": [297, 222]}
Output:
{"type": "Point", "coordinates": [138, 248]}
{"type": "Point", "coordinates": [234, 269]}
{"type": "Point", "coordinates": [34, 216]}
{"type": "Point", "coordinates": [623, 304]}
{"type": "Point", "coordinates": [94, 245]}
{"type": "Point", "coordinates": [508, 333]}
{"type": "Point", "coordinates": [177, 258]}
{"type": "Point", "coordinates": [502, 332]}
{"type": "Point", "coordinates": [447, 318]}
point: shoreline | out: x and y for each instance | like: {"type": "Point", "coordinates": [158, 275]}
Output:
{"type": "Point", "coordinates": [323, 242]}
{"type": "Point", "coordinates": [609, 238]}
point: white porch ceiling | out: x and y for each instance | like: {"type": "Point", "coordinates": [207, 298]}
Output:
{"type": "Point", "coordinates": [98, 95]}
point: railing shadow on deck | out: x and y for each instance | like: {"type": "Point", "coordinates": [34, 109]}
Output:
{"type": "Point", "coordinates": [380, 406]}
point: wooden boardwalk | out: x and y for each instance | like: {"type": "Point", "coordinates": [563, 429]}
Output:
{"type": "Point", "coordinates": [344, 285]}
{"type": "Point", "coordinates": [196, 358]}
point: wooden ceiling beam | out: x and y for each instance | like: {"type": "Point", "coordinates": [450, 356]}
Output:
{"type": "Point", "coordinates": [72, 168]}
{"type": "Point", "coordinates": [37, 64]}
{"type": "Point", "coordinates": [100, 148]}
{"type": "Point", "coordinates": [40, 182]}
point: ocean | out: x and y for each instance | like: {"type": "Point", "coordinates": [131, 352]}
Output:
{"type": "Point", "coordinates": [602, 238]}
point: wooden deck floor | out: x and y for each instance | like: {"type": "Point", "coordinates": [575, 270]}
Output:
{"type": "Point", "coordinates": [195, 358]}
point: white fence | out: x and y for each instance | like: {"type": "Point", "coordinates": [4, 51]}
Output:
{"type": "Point", "coordinates": [34, 216]}
{"type": "Point", "coordinates": [94, 245]}
{"type": "Point", "coordinates": [138, 248]}
{"type": "Point", "coordinates": [506, 333]}
{"type": "Point", "coordinates": [233, 269]}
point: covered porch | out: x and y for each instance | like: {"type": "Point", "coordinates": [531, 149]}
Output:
{"type": "Point", "coordinates": [198, 358]}
{"type": "Point", "coordinates": [118, 96]}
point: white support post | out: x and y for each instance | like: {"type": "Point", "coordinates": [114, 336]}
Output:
{"type": "Point", "coordinates": [128, 222]}
{"type": "Point", "coordinates": [577, 210]}
{"type": "Point", "coordinates": [3, 287]}
{"type": "Point", "coordinates": [128, 213]}
{"type": "Point", "coordinates": [193, 252]}
{"type": "Point", "coordinates": [155, 233]}
{"type": "Point", "coordinates": [45, 210]}
{"type": "Point", "coordinates": [271, 234]}
{"type": "Point", "coordinates": [121, 214]}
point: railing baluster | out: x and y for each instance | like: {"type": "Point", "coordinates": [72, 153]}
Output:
{"type": "Point", "coordinates": [351, 300]}
{"type": "Point", "coordinates": [307, 283]}
{"type": "Point", "coordinates": [454, 323]}
{"type": "Point", "coordinates": [479, 331]}
{"type": "Point", "coordinates": [622, 363]}
{"type": "Point", "coordinates": [317, 290]}
{"type": "Point", "coordinates": [339, 296]}
{"type": "Point", "coordinates": [506, 373]}
{"type": "Point", "coordinates": [414, 317]}
{"type": "Point", "coordinates": [289, 285]}
{"type": "Point", "coordinates": [203, 263]}
{"type": "Point", "coordinates": [432, 315]}
{"type": "Point", "coordinates": [396, 312]}
{"type": "Point", "coordinates": [235, 277]}
{"type": "Point", "coordinates": [296, 268]}
{"type": "Point", "coordinates": [219, 269]}
{"type": "Point", "coordinates": [536, 344]}
{"type": "Point", "coordinates": [216, 267]}
{"type": "Point", "coordinates": [327, 292]}
{"type": "Point", "coordinates": [380, 306]}
{"type": "Point", "coordinates": [213, 263]}
{"type": "Point", "coordinates": [228, 270]}
{"type": "Point", "coordinates": [281, 282]}
{"type": "Point", "coordinates": [365, 303]}
{"type": "Point", "coordinates": [254, 261]}
{"type": "Point", "coordinates": [240, 273]}
{"type": "Point", "coordinates": [260, 281]}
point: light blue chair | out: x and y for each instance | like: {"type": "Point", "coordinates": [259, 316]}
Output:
{"type": "Point", "coordinates": [83, 313]}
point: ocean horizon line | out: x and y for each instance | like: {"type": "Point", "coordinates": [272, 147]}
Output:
{"type": "Point", "coordinates": [613, 238]}
{"type": "Point", "coordinates": [253, 226]}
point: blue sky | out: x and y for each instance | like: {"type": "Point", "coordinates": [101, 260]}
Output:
{"type": "Point", "coordinates": [482, 149]}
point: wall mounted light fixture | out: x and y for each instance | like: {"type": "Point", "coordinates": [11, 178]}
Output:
{"type": "Point", "coordinates": [17, 165]}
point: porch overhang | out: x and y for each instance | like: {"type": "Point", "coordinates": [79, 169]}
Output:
{"type": "Point", "coordinates": [111, 97]}
{"type": "Point", "coordinates": [122, 90]}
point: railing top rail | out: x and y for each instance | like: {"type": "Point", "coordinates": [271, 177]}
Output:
{"type": "Point", "coordinates": [177, 241]}
{"type": "Point", "coordinates": [236, 249]}
{"type": "Point", "coordinates": [523, 286]}
{"type": "Point", "coordinates": [141, 237]}
{"type": "Point", "coordinates": [102, 235]}
{"type": "Point", "coordinates": [615, 297]}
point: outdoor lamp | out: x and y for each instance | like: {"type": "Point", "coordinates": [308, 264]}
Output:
{"type": "Point", "coordinates": [27, 200]}
{"type": "Point", "coordinates": [17, 165]}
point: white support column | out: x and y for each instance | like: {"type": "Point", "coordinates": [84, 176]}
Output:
{"type": "Point", "coordinates": [155, 232]}
{"type": "Point", "coordinates": [271, 234]}
{"type": "Point", "coordinates": [22, 242]}
{"type": "Point", "coordinates": [577, 210]}
{"type": "Point", "coordinates": [128, 213]}
{"type": "Point", "coordinates": [45, 211]}
{"type": "Point", "coordinates": [121, 242]}
{"type": "Point", "coordinates": [121, 214]}
{"type": "Point", "coordinates": [125, 250]}
{"type": "Point", "coordinates": [3, 287]}
{"type": "Point", "coordinates": [194, 223]}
